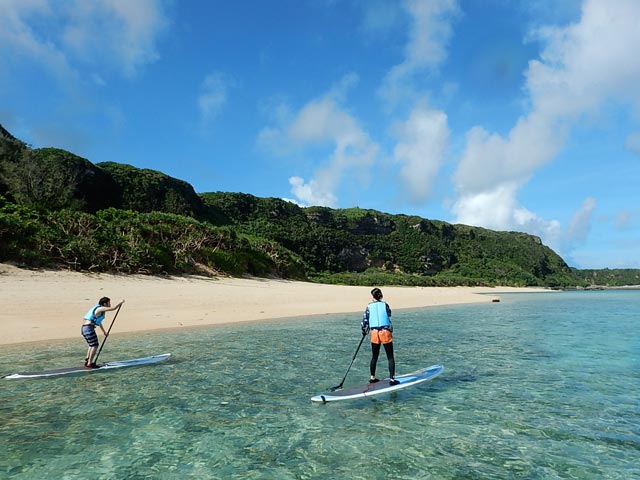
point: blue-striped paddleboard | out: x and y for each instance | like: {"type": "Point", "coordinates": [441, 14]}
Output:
{"type": "Point", "coordinates": [370, 389]}
{"type": "Point", "coordinates": [107, 366]}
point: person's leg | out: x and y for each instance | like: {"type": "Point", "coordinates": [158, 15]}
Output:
{"type": "Point", "coordinates": [375, 352]}
{"type": "Point", "coordinates": [91, 337]}
{"type": "Point", "coordinates": [388, 349]}
{"type": "Point", "coordinates": [91, 354]}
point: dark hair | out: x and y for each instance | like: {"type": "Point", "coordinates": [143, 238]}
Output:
{"type": "Point", "coordinates": [376, 293]}
{"type": "Point", "coordinates": [103, 301]}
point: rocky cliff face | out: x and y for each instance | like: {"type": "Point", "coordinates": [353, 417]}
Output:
{"type": "Point", "coordinates": [373, 225]}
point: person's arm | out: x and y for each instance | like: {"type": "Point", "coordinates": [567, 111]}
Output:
{"type": "Point", "coordinates": [389, 314]}
{"type": "Point", "coordinates": [364, 325]}
{"type": "Point", "coordinates": [115, 307]}
{"type": "Point", "coordinates": [100, 310]}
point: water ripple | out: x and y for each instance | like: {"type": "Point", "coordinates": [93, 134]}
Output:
{"type": "Point", "coordinates": [538, 386]}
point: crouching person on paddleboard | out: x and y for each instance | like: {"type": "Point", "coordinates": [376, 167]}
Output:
{"type": "Point", "coordinates": [377, 319]}
{"type": "Point", "coordinates": [93, 318]}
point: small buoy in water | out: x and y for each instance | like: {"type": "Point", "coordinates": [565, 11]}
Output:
{"type": "Point", "coordinates": [495, 299]}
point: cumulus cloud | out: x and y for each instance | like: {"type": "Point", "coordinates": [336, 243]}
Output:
{"type": "Point", "coordinates": [498, 209]}
{"type": "Point", "coordinates": [311, 193]}
{"type": "Point", "coordinates": [583, 67]}
{"type": "Point", "coordinates": [429, 35]}
{"type": "Point", "coordinates": [423, 142]}
{"type": "Point", "coordinates": [490, 160]}
{"type": "Point", "coordinates": [114, 34]}
{"type": "Point", "coordinates": [325, 123]}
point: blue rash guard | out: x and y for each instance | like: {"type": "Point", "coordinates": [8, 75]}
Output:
{"type": "Point", "coordinates": [92, 317]}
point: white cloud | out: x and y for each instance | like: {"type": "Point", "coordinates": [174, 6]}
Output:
{"type": "Point", "coordinates": [323, 122]}
{"type": "Point", "coordinates": [583, 67]}
{"type": "Point", "coordinates": [122, 31]}
{"type": "Point", "coordinates": [423, 142]}
{"type": "Point", "coordinates": [68, 37]}
{"type": "Point", "coordinates": [19, 41]}
{"type": "Point", "coordinates": [294, 201]}
{"type": "Point", "coordinates": [213, 95]}
{"type": "Point", "coordinates": [429, 35]}
{"type": "Point", "coordinates": [310, 193]}
{"type": "Point", "coordinates": [588, 62]}
{"type": "Point", "coordinates": [580, 222]}
{"type": "Point", "coordinates": [490, 159]}
{"type": "Point", "coordinates": [498, 209]}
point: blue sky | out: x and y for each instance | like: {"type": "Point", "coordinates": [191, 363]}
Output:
{"type": "Point", "coordinates": [511, 115]}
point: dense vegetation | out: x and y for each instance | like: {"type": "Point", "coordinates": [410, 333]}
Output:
{"type": "Point", "coordinates": [133, 242]}
{"type": "Point", "coordinates": [610, 277]}
{"type": "Point", "coordinates": [60, 210]}
{"type": "Point", "coordinates": [351, 244]}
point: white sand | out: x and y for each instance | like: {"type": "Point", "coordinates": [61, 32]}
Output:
{"type": "Point", "coordinates": [47, 305]}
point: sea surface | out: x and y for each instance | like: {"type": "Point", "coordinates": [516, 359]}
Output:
{"type": "Point", "coordinates": [538, 386]}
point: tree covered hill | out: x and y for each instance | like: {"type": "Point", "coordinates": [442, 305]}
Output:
{"type": "Point", "coordinates": [60, 210]}
{"type": "Point", "coordinates": [606, 277]}
{"type": "Point", "coordinates": [338, 243]}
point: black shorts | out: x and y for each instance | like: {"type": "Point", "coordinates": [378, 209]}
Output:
{"type": "Point", "coordinates": [90, 335]}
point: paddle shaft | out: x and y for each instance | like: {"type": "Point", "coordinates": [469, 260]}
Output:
{"type": "Point", "coordinates": [95, 360]}
{"type": "Point", "coordinates": [352, 360]}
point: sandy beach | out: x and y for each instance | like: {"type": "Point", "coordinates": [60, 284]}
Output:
{"type": "Point", "coordinates": [49, 305]}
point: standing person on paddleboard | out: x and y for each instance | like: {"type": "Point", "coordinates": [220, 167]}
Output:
{"type": "Point", "coordinates": [377, 319]}
{"type": "Point", "coordinates": [93, 318]}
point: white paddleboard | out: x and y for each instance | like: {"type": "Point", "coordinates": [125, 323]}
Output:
{"type": "Point", "coordinates": [370, 389]}
{"type": "Point", "coordinates": [107, 366]}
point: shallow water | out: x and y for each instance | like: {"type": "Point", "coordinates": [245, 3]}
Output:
{"type": "Point", "coordinates": [536, 386]}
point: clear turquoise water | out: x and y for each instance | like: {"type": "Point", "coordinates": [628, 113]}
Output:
{"type": "Point", "coordinates": [537, 386]}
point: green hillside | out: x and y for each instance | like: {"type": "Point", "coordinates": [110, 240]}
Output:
{"type": "Point", "coordinates": [335, 244]}
{"type": "Point", "coordinates": [58, 210]}
{"type": "Point", "coordinates": [610, 277]}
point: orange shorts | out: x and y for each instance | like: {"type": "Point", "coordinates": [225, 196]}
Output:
{"type": "Point", "coordinates": [381, 336]}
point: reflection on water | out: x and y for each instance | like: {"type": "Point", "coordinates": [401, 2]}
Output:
{"type": "Point", "coordinates": [537, 386]}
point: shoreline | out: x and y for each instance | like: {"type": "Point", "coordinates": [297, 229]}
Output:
{"type": "Point", "coordinates": [41, 305]}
